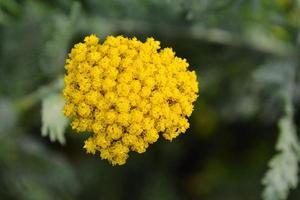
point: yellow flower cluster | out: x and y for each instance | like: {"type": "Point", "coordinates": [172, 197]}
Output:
{"type": "Point", "coordinates": [127, 93]}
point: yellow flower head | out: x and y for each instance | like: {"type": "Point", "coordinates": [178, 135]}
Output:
{"type": "Point", "coordinates": [127, 93]}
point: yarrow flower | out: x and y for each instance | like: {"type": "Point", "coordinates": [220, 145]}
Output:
{"type": "Point", "coordinates": [127, 93]}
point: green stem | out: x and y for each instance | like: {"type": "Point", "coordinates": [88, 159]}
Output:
{"type": "Point", "coordinates": [33, 98]}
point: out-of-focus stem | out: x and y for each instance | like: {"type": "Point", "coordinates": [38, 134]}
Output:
{"type": "Point", "coordinates": [31, 99]}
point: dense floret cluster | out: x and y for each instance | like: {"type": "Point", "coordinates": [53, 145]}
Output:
{"type": "Point", "coordinates": [127, 93]}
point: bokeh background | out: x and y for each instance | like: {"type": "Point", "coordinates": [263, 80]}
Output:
{"type": "Point", "coordinates": [244, 53]}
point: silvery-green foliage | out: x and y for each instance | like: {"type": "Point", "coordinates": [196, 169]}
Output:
{"type": "Point", "coordinates": [273, 80]}
{"type": "Point", "coordinates": [274, 72]}
{"type": "Point", "coordinates": [41, 174]}
{"type": "Point", "coordinates": [226, 39]}
{"type": "Point", "coordinates": [283, 167]}
{"type": "Point", "coordinates": [54, 122]}
{"type": "Point", "coordinates": [283, 173]}
{"type": "Point", "coordinates": [60, 33]}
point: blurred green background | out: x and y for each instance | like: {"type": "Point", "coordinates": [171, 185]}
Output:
{"type": "Point", "coordinates": [245, 52]}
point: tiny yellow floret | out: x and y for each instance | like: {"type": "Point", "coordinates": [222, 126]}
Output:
{"type": "Point", "coordinates": [127, 93]}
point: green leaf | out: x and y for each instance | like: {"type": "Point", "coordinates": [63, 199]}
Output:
{"type": "Point", "coordinates": [283, 173]}
{"type": "Point", "coordinates": [54, 122]}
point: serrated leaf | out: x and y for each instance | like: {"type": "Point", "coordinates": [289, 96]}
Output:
{"type": "Point", "coordinates": [283, 167]}
{"type": "Point", "coordinates": [283, 172]}
{"type": "Point", "coordinates": [54, 122]}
